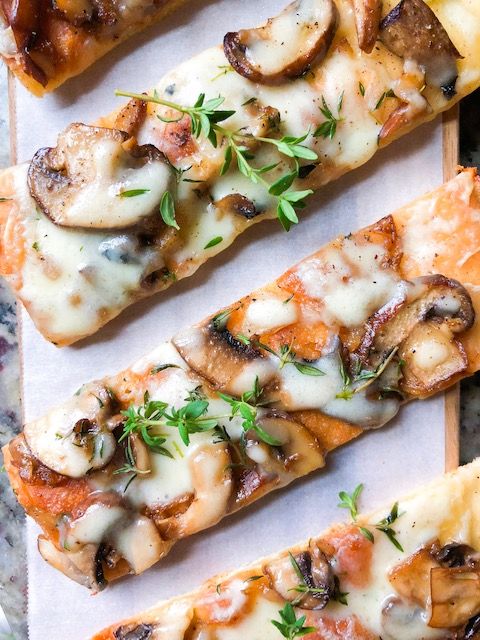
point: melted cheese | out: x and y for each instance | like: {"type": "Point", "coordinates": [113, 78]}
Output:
{"type": "Point", "coordinates": [448, 509]}
{"type": "Point", "coordinates": [52, 440]}
{"type": "Point", "coordinates": [430, 354]}
{"type": "Point", "coordinates": [267, 313]}
{"type": "Point", "coordinates": [100, 203]}
{"type": "Point", "coordinates": [290, 35]}
{"type": "Point", "coordinates": [70, 293]}
{"type": "Point", "coordinates": [350, 282]}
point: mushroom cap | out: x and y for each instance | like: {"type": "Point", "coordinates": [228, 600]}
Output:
{"type": "Point", "coordinates": [98, 178]}
{"type": "Point", "coordinates": [411, 30]}
{"type": "Point", "coordinates": [287, 45]}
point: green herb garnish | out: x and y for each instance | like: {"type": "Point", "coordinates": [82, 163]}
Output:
{"type": "Point", "coordinates": [167, 210]}
{"type": "Point", "coordinates": [363, 376]}
{"type": "Point", "coordinates": [162, 367]}
{"type": "Point", "coordinates": [289, 625]}
{"type": "Point", "coordinates": [287, 356]}
{"type": "Point", "coordinates": [328, 129]}
{"type": "Point", "coordinates": [213, 242]}
{"type": "Point", "coordinates": [349, 501]}
{"type": "Point", "coordinates": [386, 94]}
{"type": "Point", "coordinates": [246, 408]}
{"type": "Point", "coordinates": [205, 118]}
{"type": "Point", "coordinates": [131, 193]}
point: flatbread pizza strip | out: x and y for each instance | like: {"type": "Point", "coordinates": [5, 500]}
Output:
{"type": "Point", "coordinates": [46, 42]}
{"type": "Point", "coordinates": [258, 394]}
{"type": "Point", "coordinates": [117, 212]}
{"type": "Point", "coordinates": [404, 572]}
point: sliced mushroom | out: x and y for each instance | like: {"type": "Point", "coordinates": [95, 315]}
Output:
{"type": "Point", "coordinates": [237, 204]}
{"type": "Point", "coordinates": [457, 555]}
{"type": "Point", "coordinates": [84, 566]}
{"type": "Point", "coordinates": [306, 578]}
{"type": "Point", "coordinates": [472, 629]}
{"type": "Point", "coordinates": [287, 45]}
{"type": "Point", "coordinates": [30, 469]}
{"type": "Point", "coordinates": [412, 31]}
{"type": "Point", "coordinates": [422, 325]}
{"type": "Point", "coordinates": [227, 363]}
{"type": "Point", "coordinates": [402, 620]}
{"type": "Point", "coordinates": [24, 18]}
{"type": "Point", "coordinates": [403, 116]}
{"type": "Point", "coordinates": [97, 165]}
{"type": "Point", "coordinates": [139, 543]}
{"type": "Point", "coordinates": [76, 436]}
{"type": "Point", "coordinates": [454, 596]}
{"type": "Point", "coordinates": [132, 632]}
{"type": "Point", "coordinates": [140, 453]}
{"type": "Point", "coordinates": [411, 578]}
{"type": "Point", "coordinates": [367, 22]}
{"type": "Point", "coordinates": [299, 452]}
{"type": "Point", "coordinates": [212, 482]}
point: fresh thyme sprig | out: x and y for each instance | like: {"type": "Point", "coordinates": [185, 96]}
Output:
{"type": "Point", "coordinates": [289, 625]}
{"type": "Point", "coordinates": [349, 501]}
{"type": "Point", "coordinates": [302, 588]}
{"type": "Point", "coordinates": [153, 415]}
{"type": "Point", "coordinates": [384, 526]}
{"type": "Point", "coordinates": [205, 117]}
{"type": "Point", "coordinates": [328, 129]}
{"type": "Point", "coordinates": [286, 355]}
{"type": "Point", "coordinates": [365, 376]}
{"type": "Point", "coordinates": [246, 408]}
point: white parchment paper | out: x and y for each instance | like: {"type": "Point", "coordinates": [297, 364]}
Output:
{"type": "Point", "coordinates": [390, 461]}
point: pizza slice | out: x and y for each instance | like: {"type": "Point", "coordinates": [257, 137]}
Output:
{"type": "Point", "coordinates": [118, 211]}
{"type": "Point", "coordinates": [407, 572]}
{"type": "Point", "coordinates": [46, 42]}
{"type": "Point", "coordinates": [258, 394]}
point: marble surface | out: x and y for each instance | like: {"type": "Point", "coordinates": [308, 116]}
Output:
{"type": "Point", "coordinates": [13, 588]}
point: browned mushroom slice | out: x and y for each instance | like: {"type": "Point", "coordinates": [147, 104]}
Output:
{"type": "Point", "coordinates": [411, 578]}
{"type": "Point", "coordinates": [74, 438]}
{"type": "Point", "coordinates": [226, 362]}
{"type": "Point", "coordinates": [299, 452]}
{"type": "Point", "coordinates": [412, 31]}
{"type": "Point", "coordinates": [238, 204]}
{"type": "Point", "coordinates": [23, 18]}
{"type": "Point", "coordinates": [97, 165]}
{"type": "Point", "coordinates": [454, 595]}
{"type": "Point", "coordinates": [140, 453]}
{"type": "Point", "coordinates": [287, 45]}
{"type": "Point", "coordinates": [134, 632]}
{"type": "Point", "coordinates": [432, 358]}
{"type": "Point", "coordinates": [306, 578]}
{"type": "Point", "coordinates": [422, 326]}
{"type": "Point", "coordinates": [367, 22]}
{"type": "Point", "coordinates": [84, 566]}
{"type": "Point", "coordinates": [405, 115]}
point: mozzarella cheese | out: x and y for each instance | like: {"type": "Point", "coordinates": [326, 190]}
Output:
{"type": "Point", "coordinates": [66, 290]}
{"type": "Point", "coordinates": [373, 609]}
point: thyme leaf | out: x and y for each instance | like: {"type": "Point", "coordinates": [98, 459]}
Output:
{"type": "Point", "coordinates": [167, 210]}
{"type": "Point", "coordinates": [328, 129]}
{"type": "Point", "coordinates": [289, 625]}
{"type": "Point", "coordinates": [131, 193]}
